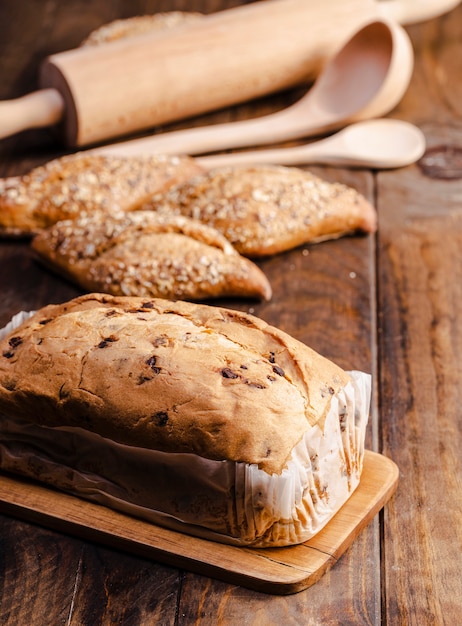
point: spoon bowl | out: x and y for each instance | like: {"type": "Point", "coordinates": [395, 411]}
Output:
{"type": "Point", "coordinates": [366, 78]}
{"type": "Point", "coordinates": [375, 144]}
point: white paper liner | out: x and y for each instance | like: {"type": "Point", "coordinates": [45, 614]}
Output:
{"type": "Point", "coordinates": [234, 503]}
{"type": "Point", "coordinates": [15, 321]}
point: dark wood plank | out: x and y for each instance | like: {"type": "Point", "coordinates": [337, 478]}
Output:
{"type": "Point", "coordinates": [51, 578]}
{"type": "Point", "coordinates": [420, 343]}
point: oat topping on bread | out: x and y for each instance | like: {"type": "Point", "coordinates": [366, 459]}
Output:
{"type": "Point", "coordinates": [145, 254]}
{"type": "Point", "coordinates": [173, 376]}
{"type": "Point", "coordinates": [76, 185]}
{"type": "Point", "coordinates": [268, 209]}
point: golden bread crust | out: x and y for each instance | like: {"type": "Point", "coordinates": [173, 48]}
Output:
{"type": "Point", "coordinates": [265, 210]}
{"type": "Point", "coordinates": [144, 254]}
{"type": "Point", "coordinates": [84, 183]}
{"type": "Point", "coordinates": [173, 376]}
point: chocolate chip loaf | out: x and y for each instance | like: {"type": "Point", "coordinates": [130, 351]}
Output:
{"type": "Point", "coordinates": [144, 254]}
{"type": "Point", "coordinates": [199, 418]}
{"type": "Point", "coordinates": [265, 210]}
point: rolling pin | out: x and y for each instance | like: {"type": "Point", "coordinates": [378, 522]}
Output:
{"type": "Point", "coordinates": [98, 93]}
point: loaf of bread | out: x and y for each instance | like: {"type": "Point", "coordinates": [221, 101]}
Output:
{"type": "Point", "coordinates": [264, 210]}
{"type": "Point", "coordinates": [139, 25]}
{"type": "Point", "coordinates": [82, 183]}
{"type": "Point", "coordinates": [144, 254]}
{"type": "Point", "coordinates": [199, 418]}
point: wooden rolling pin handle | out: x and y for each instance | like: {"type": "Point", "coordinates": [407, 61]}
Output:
{"type": "Point", "coordinates": [35, 110]}
{"type": "Point", "coordinates": [407, 12]}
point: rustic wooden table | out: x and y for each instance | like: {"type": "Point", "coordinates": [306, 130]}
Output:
{"type": "Point", "coordinates": [388, 304]}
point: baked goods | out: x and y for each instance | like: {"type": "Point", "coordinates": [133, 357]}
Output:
{"type": "Point", "coordinates": [82, 183]}
{"type": "Point", "coordinates": [200, 418]}
{"type": "Point", "coordinates": [119, 363]}
{"type": "Point", "coordinates": [138, 25]}
{"type": "Point", "coordinates": [144, 254]}
{"type": "Point", "coordinates": [268, 209]}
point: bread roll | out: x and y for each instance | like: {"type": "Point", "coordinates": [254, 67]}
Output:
{"type": "Point", "coordinates": [80, 184]}
{"type": "Point", "coordinates": [264, 210]}
{"type": "Point", "coordinates": [199, 418]}
{"type": "Point", "coordinates": [144, 254]}
{"type": "Point", "coordinates": [138, 25]}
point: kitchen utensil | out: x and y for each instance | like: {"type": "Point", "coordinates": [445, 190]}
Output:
{"type": "Point", "coordinates": [228, 57]}
{"type": "Point", "coordinates": [378, 144]}
{"type": "Point", "coordinates": [413, 11]}
{"type": "Point", "coordinates": [366, 78]}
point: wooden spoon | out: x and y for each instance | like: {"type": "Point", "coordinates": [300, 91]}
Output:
{"type": "Point", "coordinates": [377, 144]}
{"type": "Point", "coordinates": [366, 78]}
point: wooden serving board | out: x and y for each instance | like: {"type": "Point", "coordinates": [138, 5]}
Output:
{"type": "Point", "coordinates": [270, 570]}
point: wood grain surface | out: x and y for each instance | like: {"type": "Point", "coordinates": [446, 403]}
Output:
{"type": "Point", "coordinates": [389, 304]}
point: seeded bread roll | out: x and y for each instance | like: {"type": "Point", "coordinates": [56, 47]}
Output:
{"type": "Point", "coordinates": [173, 376]}
{"type": "Point", "coordinates": [80, 184]}
{"type": "Point", "coordinates": [268, 209]}
{"type": "Point", "coordinates": [144, 254]}
{"type": "Point", "coordinates": [138, 25]}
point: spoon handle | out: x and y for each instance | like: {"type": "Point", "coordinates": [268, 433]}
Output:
{"type": "Point", "coordinates": [318, 152]}
{"type": "Point", "coordinates": [272, 128]}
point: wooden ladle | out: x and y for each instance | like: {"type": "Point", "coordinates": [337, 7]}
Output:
{"type": "Point", "coordinates": [366, 78]}
{"type": "Point", "coordinates": [376, 144]}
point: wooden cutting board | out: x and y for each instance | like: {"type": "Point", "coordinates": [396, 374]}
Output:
{"type": "Point", "coordinates": [271, 570]}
